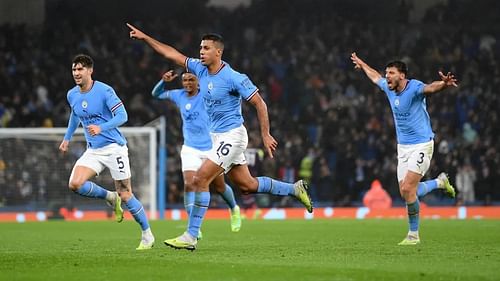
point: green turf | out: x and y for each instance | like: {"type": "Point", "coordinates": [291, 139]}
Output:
{"type": "Point", "coordinates": [263, 250]}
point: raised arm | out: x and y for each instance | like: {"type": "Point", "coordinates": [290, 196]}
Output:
{"type": "Point", "coordinates": [163, 49]}
{"type": "Point", "coordinates": [447, 80]}
{"type": "Point", "coordinates": [370, 72]}
{"type": "Point", "coordinates": [159, 88]}
{"type": "Point", "coordinates": [260, 106]}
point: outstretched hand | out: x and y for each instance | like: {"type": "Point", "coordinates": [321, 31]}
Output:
{"type": "Point", "coordinates": [270, 144]}
{"type": "Point", "coordinates": [169, 76]}
{"type": "Point", "coordinates": [448, 79]}
{"type": "Point", "coordinates": [357, 61]}
{"type": "Point", "coordinates": [135, 33]}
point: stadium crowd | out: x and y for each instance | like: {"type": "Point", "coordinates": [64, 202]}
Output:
{"type": "Point", "coordinates": [335, 129]}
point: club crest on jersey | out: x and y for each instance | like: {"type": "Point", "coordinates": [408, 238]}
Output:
{"type": "Point", "coordinates": [210, 86]}
{"type": "Point", "coordinates": [396, 102]}
{"type": "Point", "coordinates": [188, 106]}
{"type": "Point", "coordinates": [84, 104]}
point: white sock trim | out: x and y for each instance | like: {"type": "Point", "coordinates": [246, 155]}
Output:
{"type": "Point", "coordinates": [110, 195]}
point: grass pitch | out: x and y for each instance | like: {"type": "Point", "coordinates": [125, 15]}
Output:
{"type": "Point", "coordinates": [262, 250]}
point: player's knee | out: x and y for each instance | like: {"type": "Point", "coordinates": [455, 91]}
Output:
{"type": "Point", "coordinates": [199, 182]}
{"type": "Point", "coordinates": [189, 186]}
{"type": "Point", "coordinates": [75, 184]}
{"type": "Point", "coordinates": [406, 191]}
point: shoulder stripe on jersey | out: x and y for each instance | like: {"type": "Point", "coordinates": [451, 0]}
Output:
{"type": "Point", "coordinates": [253, 94]}
{"type": "Point", "coordinates": [116, 106]}
{"type": "Point", "coordinates": [407, 85]}
{"type": "Point", "coordinates": [186, 64]}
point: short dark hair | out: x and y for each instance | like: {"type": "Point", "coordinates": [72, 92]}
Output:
{"type": "Point", "coordinates": [84, 60]}
{"type": "Point", "coordinates": [188, 73]}
{"type": "Point", "coordinates": [217, 38]}
{"type": "Point", "coordinates": [399, 65]}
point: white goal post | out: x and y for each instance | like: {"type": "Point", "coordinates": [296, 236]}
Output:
{"type": "Point", "coordinates": [35, 174]}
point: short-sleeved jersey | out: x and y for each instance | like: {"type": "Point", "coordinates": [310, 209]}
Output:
{"type": "Point", "coordinates": [195, 124]}
{"type": "Point", "coordinates": [222, 94]}
{"type": "Point", "coordinates": [409, 109]}
{"type": "Point", "coordinates": [96, 107]}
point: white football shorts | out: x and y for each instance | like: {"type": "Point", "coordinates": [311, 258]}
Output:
{"type": "Point", "coordinates": [192, 158]}
{"type": "Point", "coordinates": [112, 156]}
{"type": "Point", "coordinates": [415, 158]}
{"type": "Point", "coordinates": [228, 148]}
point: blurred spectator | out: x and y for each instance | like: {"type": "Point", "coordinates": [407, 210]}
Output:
{"type": "Point", "coordinates": [306, 165]}
{"type": "Point", "coordinates": [376, 197]}
{"type": "Point", "coordinates": [469, 134]}
{"type": "Point", "coordinates": [287, 172]}
{"type": "Point", "coordinates": [322, 181]}
{"type": "Point", "coordinates": [174, 193]}
{"type": "Point", "coordinates": [464, 181]}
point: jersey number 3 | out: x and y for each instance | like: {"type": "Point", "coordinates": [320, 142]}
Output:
{"type": "Point", "coordinates": [421, 160]}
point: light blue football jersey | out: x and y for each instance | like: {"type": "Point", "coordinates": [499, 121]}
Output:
{"type": "Point", "coordinates": [195, 124]}
{"type": "Point", "coordinates": [409, 109]}
{"type": "Point", "coordinates": [222, 94]}
{"type": "Point", "coordinates": [97, 107]}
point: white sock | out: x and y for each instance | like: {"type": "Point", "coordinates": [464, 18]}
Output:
{"type": "Point", "coordinates": [191, 238]}
{"type": "Point", "coordinates": [147, 234]}
{"type": "Point", "coordinates": [413, 233]}
{"type": "Point", "coordinates": [110, 196]}
{"type": "Point", "coordinates": [440, 183]}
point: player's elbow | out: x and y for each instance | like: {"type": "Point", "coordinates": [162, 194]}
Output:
{"type": "Point", "coordinates": [124, 117]}
{"type": "Point", "coordinates": [259, 104]}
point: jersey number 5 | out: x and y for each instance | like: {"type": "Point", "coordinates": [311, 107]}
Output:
{"type": "Point", "coordinates": [121, 165]}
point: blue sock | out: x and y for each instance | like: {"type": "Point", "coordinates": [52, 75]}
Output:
{"type": "Point", "coordinates": [269, 185]}
{"type": "Point", "coordinates": [201, 202]}
{"type": "Point", "coordinates": [188, 201]}
{"type": "Point", "coordinates": [426, 187]}
{"type": "Point", "coordinates": [413, 212]}
{"type": "Point", "coordinates": [92, 190]}
{"type": "Point", "coordinates": [137, 210]}
{"type": "Point", "coordinates": [228, 196]}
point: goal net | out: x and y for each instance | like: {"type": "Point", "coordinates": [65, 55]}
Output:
{"type": "Point", "coordinates": [34, 174]}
